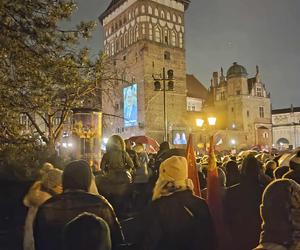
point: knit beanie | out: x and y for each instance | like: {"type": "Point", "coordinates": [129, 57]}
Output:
{"type": "Point", "coordinates": [173, 177]}
{"type": "Point", "coordinates": [295, 161]}
{"type": "Point", "coordinates": [52, 178]}
{"type": "Point", "coordinates": [86, 231]}
{"type": "Point", "coordinates": [77, 175]}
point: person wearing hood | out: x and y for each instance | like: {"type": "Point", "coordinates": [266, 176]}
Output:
{"type": "Point", "coordinates": [280, 212]}
{"type": "Point", "coordinates": [86, 231]}
{"type": "Point", "coordinates": [294, 172]}
{"type": "Point", "coordinates": [56, 212]}
{"type": "Point", "coordinates": [116, 158]}
{"type": "Point", "coordinates": [49, 185]}
{"type": "Point", "coordinates": [232, 173]}
{"type": "Point", "coordinates": [175, 219]}
{"type": "Point", "coordinates": [241, 206]}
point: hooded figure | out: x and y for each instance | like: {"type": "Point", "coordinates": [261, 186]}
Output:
{"type": "Point", "coordinates": [176, 219]}
{"type": "Point", "coordinates": [241, 206]}
{"type": "Point", "coordinates": [41, 191]}
{"type": "Point", "coordinates": [280, 212]}
{"type": "Point", "coordinates": [294, 172]}
{"type": "Point", "coordinates": [86, 231]}
{"type": "Point", "coordinates": [232, 173]}
{"type": "Point", "coordinates": [116, 158]}
{"type": "Point", "coordinates": [54, 214]}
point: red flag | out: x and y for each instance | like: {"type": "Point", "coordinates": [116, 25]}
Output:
{"type": "Point", "coordinates": [214, 200]}
{"type": "Point", "coordinates": [192, 168]}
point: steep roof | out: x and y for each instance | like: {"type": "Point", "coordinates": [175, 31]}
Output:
{"type": "Point", "coordinates": [195, 88]}
{"type": "Point", "coordinates": [114, 4]}
{"type": "Point", "coordinates": [286, 110]}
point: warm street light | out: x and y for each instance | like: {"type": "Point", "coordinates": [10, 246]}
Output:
{"type": "Point", "coordinates": [233, 142]}
{"type": "Point", "coordinates": [212, 121]}
{"type": "Point", "coordinates": [170, 87]}
{"type": "Point", "coordinates": [199, 122]}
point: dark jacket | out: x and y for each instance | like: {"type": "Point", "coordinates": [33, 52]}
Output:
{"type": "Point", "coordinates": [54, 214]}
{"type": "Point", "coordinates": [116, 160]}
{"type": "Point", "coordinates": [180, 221]}
{"type": "Point", "coordinates": [294, 175]}
{"type": "Point", "coordinates": [241, 214]}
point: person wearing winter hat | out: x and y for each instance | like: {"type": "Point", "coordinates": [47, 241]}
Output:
{"type": "Point", "coordinates": [86, 231]}
{"type": "Point", "coordinates": [176, 219]}
{"type": "Point", "coordinates": [54, 214]}
{"type": "Point", "coordinates": [40, 192]}
{"type": "Point", "coordinates": [280, 212]}
{"type": "Point", "coordinates": [294, 172]}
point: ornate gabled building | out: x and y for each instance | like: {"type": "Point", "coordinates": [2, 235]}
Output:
{"type": "Point", "coordinates": [141, 38]}
{"type": "Point", "coordinates": [242, 106]}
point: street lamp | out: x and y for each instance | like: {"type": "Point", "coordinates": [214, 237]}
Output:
{"type": "Point", "coordinates": [211, 122]}
{"type": "Point", "coordinates": [170, 87]}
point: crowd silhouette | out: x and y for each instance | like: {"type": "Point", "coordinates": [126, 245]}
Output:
{"type": "Point", "coordinates": [147, 202]}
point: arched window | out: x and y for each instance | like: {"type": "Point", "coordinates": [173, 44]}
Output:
{"type": "Point", "coordinates": [126, 40]}
{"type": "Point", "coordinates": [144, 29]}
{"type": "Point", "coordinates": [113, 48]}
{"type": "Point", "coordinates": [129, 16]}
{"type": "Point", "coordinates": [168, 16]}
{"type": "Point", "coordinates": [173, 38]}
{"type": "Point", "coordinates": [180, 40]}
{"type": "Point", "coordinates": [162, 14]}
{"type": "Point", "coordinates": [143, 8]}
{"type": "Point", "coordinates": [156, 12]}
{"type": "Point", "coordinates": [174, 18]}
{"type": "Point", "coordinates": [130, 36]}
{"type": "Point", "coordinates": [136, 33]}
{"type": "Point", "coordinates": [179, 19]}
{"type": "Point", "coordinates": [150, 31]}
{"type": "Point", "coordinates": [136, 11]}
{"type": "Point", "coordinates": [166, 36]}
{"type": "Point", "coordinates": [157, 34]}
{"type": "Point", "coordinates": [150, 10]}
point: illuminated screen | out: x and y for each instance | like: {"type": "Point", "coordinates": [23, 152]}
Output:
{"type": "Point", "coordinates": [130, 106]}
{"type": "Point", "coordinates": [179, 137]}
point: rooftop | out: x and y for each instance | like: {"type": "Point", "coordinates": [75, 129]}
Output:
{"type": "Point", "coordinates": [114, 4]}
{"type": "Point", "coordinates": [286, 110]}
{"type": "Point", "coordinates": [195, 88]}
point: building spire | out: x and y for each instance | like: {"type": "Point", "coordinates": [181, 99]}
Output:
{"type": "Point", "coordinates": [222, 77]}
{"type": "Point", "coordinates": [258, 78]}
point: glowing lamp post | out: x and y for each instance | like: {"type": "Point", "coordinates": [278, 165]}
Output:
{"type": "Point", "coordinates": [211, 122]}
{"type": "Point", "coordinates": [170, 87]}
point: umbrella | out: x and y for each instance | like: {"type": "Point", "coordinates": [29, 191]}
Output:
{"type": "Point", "coordinates": [142, 139]}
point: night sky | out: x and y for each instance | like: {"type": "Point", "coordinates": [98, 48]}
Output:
{"type": "Point", "coordinates": [220, 32]}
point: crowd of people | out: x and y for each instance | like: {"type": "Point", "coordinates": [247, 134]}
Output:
{"type": "Point", "coordinates": [133, 200]}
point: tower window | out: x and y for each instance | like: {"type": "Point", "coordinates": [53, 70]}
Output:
{"type": "Point", "coordinates": [143, 8]}
{"type": "Point", "coordinates": [150, 10]}
{"type": "Point", "coordinates": [168, 16]}
{"type": "Point", "coordinates": [261, 112]}
{"type": "Point", "coordinates": [156, 12]}
{"type": "Point", "coordinates": [167, 55]}
{"type": "Point", "coordinates": [180, 40]}
{"type": "Point", "coordinates": [173, 38]}
{"type": "Point", "coordinates": [248, 113]}
{"type": "Point", "coordinates": [232, 109]}
{"type": "Point", "coordinates": [150, 32]}
{"type": "Point", "coordinates": [179, 20]}
{"type": "Point", "coordinates": [157, 35]}
{"type": "Point", "coordinates": [265, 135]}
{"type": "Point", "coordinates": [259, 92]}
{"type": "Point", "coordinates": [174, 18]}
{"type": "Point", "coordinates": [162, 15]}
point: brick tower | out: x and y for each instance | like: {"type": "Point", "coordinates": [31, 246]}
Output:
{"type": "Point", "coordinates": [141, 37]}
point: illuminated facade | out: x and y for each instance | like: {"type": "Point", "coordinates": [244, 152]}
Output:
{"type": "Point", "coordinates": [242, 106]}
{"type": "Point", "coordinates": [142, 37]}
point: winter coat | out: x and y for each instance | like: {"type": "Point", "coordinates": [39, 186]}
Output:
{"type": "Point", "coordinates": [54, 214]}
{"type": "Point", "coordinates": [141, 174]}
{"type": "Point", "coordinates": [34, 198]}
{"type": "Point", "coordinates": [294, 175]}
{"type": "Point", "coordinates": [241, 214]}
{"type": "Point", "coordinates": [180, 221]}
{"type": "Point", "coordinates": [116, 160]}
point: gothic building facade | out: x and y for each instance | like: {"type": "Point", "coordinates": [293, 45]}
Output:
{"type": "Point", "coordinates": [243, 108]}
{"type": "Point", "coordinates": [141, 38]}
